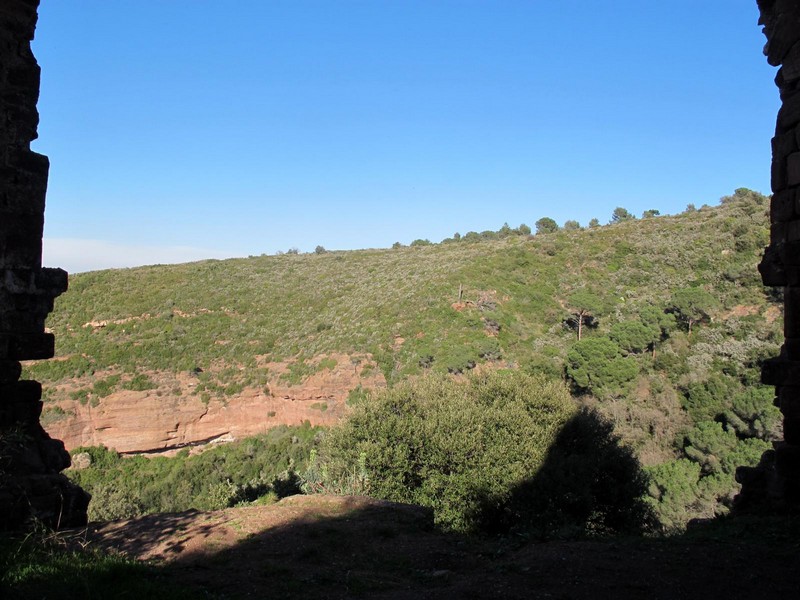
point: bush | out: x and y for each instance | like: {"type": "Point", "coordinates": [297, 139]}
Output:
{"type": "Point", "coordinates": [589, 485]}
{"type": "Point", "coordinates": [596, 365]}
{"type": "Point", "coordinates": [463, 448]}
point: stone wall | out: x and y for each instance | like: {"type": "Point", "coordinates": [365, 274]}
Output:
{"type": "Point", "coordinates": [776, 482]}
{"type": "Point", "coordinates": [31, 486]}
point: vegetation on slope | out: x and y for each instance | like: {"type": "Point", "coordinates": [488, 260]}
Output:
{"type": "Point", "coordinates": [673, 319]}
{"type": "Point", "coordinates": [259, 468]}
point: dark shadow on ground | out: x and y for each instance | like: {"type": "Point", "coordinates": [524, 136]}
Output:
{"type": "Point", "coordinates": [333, 547]}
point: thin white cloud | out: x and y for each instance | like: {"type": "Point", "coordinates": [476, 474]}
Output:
{"type": "Point", "coordinates": [79, 255]}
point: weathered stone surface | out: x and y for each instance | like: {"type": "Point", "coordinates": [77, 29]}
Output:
{"type": "Point", "coordinates": [27, 347]}
{"type": "Point", "coordinates": [788, 116]}
{"type": "Point", "coordinates": [32, 487]}
{"type": "Point", "coordinates": [791, 65]}
{"type": "Point", "coordinates": [773, 271]}
{"type": "Point", "coordinates": [778, 371]}
{"type": "Point", "coordinates": [793, 169]}
{"type": "Point", "coordinates": [783, 206]}
{"type": "Point", "coordinates": [780, 21]}
{"type": "Point", "coordinates": [10, 370]}
{"type": "Point", "coordinates": [775, 483]}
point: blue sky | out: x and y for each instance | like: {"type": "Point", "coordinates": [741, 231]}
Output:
{"type": "Point", "coordinates": [188, 129]}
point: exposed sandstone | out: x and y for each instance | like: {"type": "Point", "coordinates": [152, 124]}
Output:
{"type": "Point", "coordinates": [159, 420]}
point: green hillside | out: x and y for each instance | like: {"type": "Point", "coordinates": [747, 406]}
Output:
{"type": "Point", "coordinates": [674, 323]}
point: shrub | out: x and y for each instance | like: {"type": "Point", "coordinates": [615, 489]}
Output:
{"type": "Point", "coordinates": [597, 365]}
{"type": "Point", "coordinates": [588, 485]}
{"type": "Point", "coordinates": [464, 448]}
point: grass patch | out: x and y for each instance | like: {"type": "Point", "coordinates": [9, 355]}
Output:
{"type": "Point", "coordinates": [49, 566]}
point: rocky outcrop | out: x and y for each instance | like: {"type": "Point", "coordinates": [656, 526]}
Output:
{"type": "Point", "coordinates": [160, 420]}
{"type": "Point", "coordinates": [31, 485]}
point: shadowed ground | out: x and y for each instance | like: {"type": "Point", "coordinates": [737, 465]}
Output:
{"type": "Point", "coordinates": [340, 547]}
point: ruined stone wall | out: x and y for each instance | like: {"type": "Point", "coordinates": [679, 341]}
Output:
{"type": "Point", "coordinates": [776, 482]}
{"type": "Point", "coordinates": [31, 485]}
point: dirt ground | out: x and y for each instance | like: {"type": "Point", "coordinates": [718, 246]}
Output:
{"type": "Point", "coordinates": [346, 547]}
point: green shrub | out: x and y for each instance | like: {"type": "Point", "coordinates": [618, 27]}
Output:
{"type": "Point", "coordinates": [219, 477]}
{"type": "Point", "coordinates": [463, 448]}
{"type": "Point", "coordinates": [139, 383]}
{"type": "Point", "coordinates": [597, 365]}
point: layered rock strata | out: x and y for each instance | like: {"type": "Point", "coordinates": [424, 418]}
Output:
{"type": "Point", "coordinates": [775, 483]}
{"type": "Point", "coordinates": [31, 485]}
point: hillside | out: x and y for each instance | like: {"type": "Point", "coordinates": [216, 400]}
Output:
{"type": "Point", "coordinates": [673, 330]}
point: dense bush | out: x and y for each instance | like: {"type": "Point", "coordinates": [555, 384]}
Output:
{"type": "Point", "coordinates": [466, 448]}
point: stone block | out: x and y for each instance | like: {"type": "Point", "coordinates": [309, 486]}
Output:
{"type": "Point", "coordinates": [773, 272]}
{"type": "Point", "coordinates": [788, 115]}
{"type": "Point", "coordinates": [777, 233]}
{"type": "Point", "coordinates": [54, 280]}
{"type": "Point", "coordinates": [20, 391]}
{"type": "Point", "coordinates": [780, 372]}
{"type": "Point", "coordinates": [787, 459]}
{"type": "Point", "coordinates": [10, 371]}
{"type": "Point", "coordinates": [791, 316]}
{"type": "Point", "coordinates": [21, 241]}
{"type": "Point", "coordinates": [789, 401]}
{"type": "Point", "coordinates": [792, 274]}
{"type": "Point", "coordinates": [791, 347]}
{"type": "Point", "coordinates": [786, 143]}
{"type": "Point", "coordinates": [793, 169]}
{"type": "Point", "coordinates": [780, 25]}
{"type": "Point", "coordinates": [790, 71]}
{"type": "Point", "coordinates": [791, 430]}
{"type": "Point", "coordinates": [27, 347]}
{"type": "Point", "coordinates": [793, 230]}
{"type": "Point", "coordinates": [16, 321]}
{"type": "Point", "coordinates": [19, 280]}
{"type": "Point", "coordinates": [790, 252]}
{"type": "Point", "coordinates": [778, 170]}
{"type": "Point", "coordinates": [783, 206]}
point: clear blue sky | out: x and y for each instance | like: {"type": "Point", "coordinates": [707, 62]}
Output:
{"type": "Point", "coordinates": [187, 129]}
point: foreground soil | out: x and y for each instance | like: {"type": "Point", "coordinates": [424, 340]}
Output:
{"type": "Point", "coordinates": [344, 547]}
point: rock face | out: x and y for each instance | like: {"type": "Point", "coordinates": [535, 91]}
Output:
{"type": "Point", "coordinates": [159, 420]}
{"type": "Point", "coordinates": [775, 483]}
{"type": "Point", "coordinates": [31, 486]}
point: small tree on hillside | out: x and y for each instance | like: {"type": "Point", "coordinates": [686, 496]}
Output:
{"type": "Point", "coordinates": [546, 225]}
{"type": "Point", "coordinates": [524, 229]}
{"type": "Point", "coordinates": [571, 225]}
{"type": "Point", "coordinates": [583, 305]}
{"type": "Point", "coordinates": [621, 214]}
{"type": "Point", "coordinates": [653, 212]}
{"type": "Point", "coordinates": [594, 222]}
{"type": "Point", "coordinates": [692, 305]}
{"type": "Point", "coordinates": [655, 318]}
